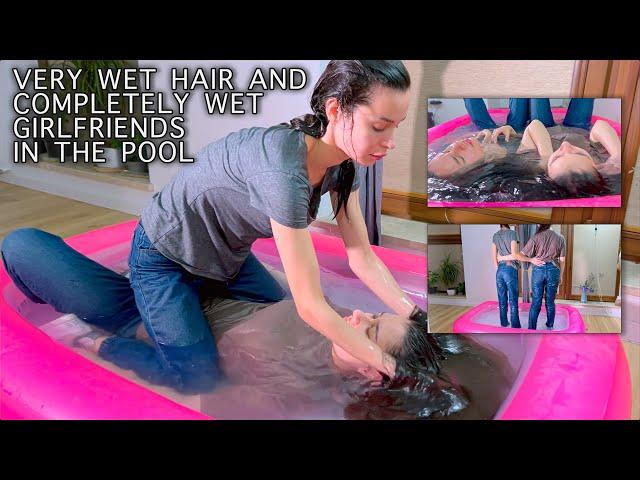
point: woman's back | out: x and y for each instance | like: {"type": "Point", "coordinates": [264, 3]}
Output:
{"type": "Point", "coordinates": [502, 240]}
{"type": "Point", "coordinates": [547, 245]}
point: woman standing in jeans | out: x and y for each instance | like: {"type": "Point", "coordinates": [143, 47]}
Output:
{"type": "Point", "coordinates": [547, 251]}
{"type": "Point", "coordinates": [505, 242]}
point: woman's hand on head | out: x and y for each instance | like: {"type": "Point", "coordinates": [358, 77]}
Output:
{"type": "Point", "coordinates": [485, 135]}
{"type": "Point", "coordinates": [506, 130]}
{"type": "Point", "coordinates": [610, 167]}
{"type": "Point", "coordinates": [389, 363]}
{"type": "Point", "coordinates": [599, 129]}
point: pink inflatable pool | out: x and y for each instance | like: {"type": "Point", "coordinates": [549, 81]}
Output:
{"type": "Point", "coordinates": [558, 376]}
{"type": "Point", "coordinates": [500, 115]}
{"type": "Point", "coordinates": [485, 318]}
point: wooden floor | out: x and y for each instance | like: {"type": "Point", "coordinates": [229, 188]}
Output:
{"type": "Point", "coordinates": [441, 318]}
{"type": "Point", "coordinates": [22, 207]}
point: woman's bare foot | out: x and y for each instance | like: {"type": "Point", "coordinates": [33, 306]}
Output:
{"type": "Point", "coordinates": [91, 341]}
{"type": "Point", "coordinates": [142, 334]}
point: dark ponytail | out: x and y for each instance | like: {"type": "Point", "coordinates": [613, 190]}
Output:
{"type": "Point", "coordinates": [351, 83]}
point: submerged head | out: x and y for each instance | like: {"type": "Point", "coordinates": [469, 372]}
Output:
{"type": "Point", "coordinates": [460, 155]}
{"type": "Point", "coordinates": [573, 168]}
{"type": "Point", "coordinates": [405, 339]}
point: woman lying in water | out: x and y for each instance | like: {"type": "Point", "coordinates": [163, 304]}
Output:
{"type": "Point", "coordinates": [277, 367]}
{"type": "Point", "coordinates": [280, 368]}
{"type": "Point", "coordinates": [567, 163]}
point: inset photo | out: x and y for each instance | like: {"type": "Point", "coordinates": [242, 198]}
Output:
{"type": "Point", "coordinates": [524, 152]}
{"type": "Point", "coordinates": [527, 278]}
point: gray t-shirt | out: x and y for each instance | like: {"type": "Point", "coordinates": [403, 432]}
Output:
{"type": "Point", "coordinates": [502, 240]}
{"type": "Point", "coordinates": [547, 245]}
{"type": "Point", "coordinates": [208, 216]}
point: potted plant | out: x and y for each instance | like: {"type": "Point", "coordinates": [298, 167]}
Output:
{"type": "Point", "coordinates": [112, 155]}
{"type": "Point", "coordinates": [460, 289]}
{"type": "Point", "coordinates": [587, 286]}
{"type": "Point", "coordinates": [449, 273]}
{"type": "Point", "coordinates": [89, 80]}
{"type": "Point", "coordinates": [89, 83]}
{"type": "Point", "coordinates": [434, 278]}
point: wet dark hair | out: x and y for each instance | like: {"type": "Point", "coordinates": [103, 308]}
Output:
{"type": "Point", "coordinates": [583, 183]}
{"type": "Point", "coordinates": [419, 389]}
{"type": "Point", "coordinates": [419, 349]}
{"type": "Point", "coordinates": [351, 83]}
{"type": "Point", "coordinates": [505, 225]}
{"type": "Point", "coordinates": [542, 227]}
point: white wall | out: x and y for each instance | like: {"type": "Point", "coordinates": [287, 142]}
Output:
{"type": "Point", "coordinates": [608, 107]}
{"type": "Point", "coordinates": [275, 107]}
{"type": "Point", "coordinates": [595, 250]}
{"type": "Point", "coordinates": [8, 89]}
{"type": "Point", "coordinates": [449, 109]}
{"type": "Point", "coordinates": [479, 271]}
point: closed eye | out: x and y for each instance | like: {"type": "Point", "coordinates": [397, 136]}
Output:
{"type": "Point", "coordinates": [459, 159]}
{"type": "Point", "coordinates": [372, 331]}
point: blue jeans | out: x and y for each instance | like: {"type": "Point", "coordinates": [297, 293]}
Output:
{"type": "Point", "coordinates": [507, 286]}
{"type": "Point", "coordinates": [160, 293]}
{"type": "Point", "coordinates": [544, 278]}
{"type": "Point", "coordinates": [523, 110]}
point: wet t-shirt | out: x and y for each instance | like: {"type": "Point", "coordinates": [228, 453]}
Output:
{"type": "Point", "coordinates": [548, 245]}
{"type": "Point", "coordinates": [502, 240]}
{"type": "Point", "coordinates": [208, 216]}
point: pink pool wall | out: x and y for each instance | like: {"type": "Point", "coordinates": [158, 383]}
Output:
{"type": "Point", "coordinates": [42, 379]}
{"type": "Point", "coordinates": [466, 324]}
{"type": "Point", "coordinates": [568, 376]}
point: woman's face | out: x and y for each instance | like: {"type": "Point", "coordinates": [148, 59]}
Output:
{"type": "Point", "coordinates": [367, 135]}
{"type": "Point", "coordinates": [569, 159]}
{"type": "Point", "coordinates": [458, 155]}
{"type": "Point", "coordinates": [386, 330]}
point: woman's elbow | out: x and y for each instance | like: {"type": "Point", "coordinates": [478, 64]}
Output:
{"type": "Point", "coordinates": [308, 310]}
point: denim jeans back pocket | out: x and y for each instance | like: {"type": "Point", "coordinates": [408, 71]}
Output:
{"type": "Point", "coordinates": [141, 240]}
{"type": "Point", "coordinates": [144, 254]}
